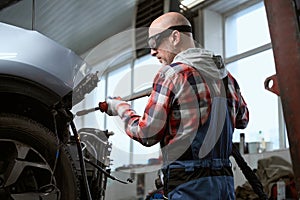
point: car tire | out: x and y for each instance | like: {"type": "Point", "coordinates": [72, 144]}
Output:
{"type": "Point", "coordinates": [30, 163]}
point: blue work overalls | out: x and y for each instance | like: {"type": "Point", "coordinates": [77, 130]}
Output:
{"type": "Point", "coordinates": [214, 180]}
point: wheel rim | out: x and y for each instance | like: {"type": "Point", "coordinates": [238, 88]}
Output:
{"type": "Point", "coordinates": [25, 173]}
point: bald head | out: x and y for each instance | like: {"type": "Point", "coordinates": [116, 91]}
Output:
{"type": "Point", "coordinates": [169, 19]}
{"type": "Point", "coordinates": [166, 44]}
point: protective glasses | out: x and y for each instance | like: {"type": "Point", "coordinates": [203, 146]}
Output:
{"type": "Point", "coordinates": [155, 40]}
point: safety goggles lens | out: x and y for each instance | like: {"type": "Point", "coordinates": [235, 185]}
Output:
{"type": "Point", "coordinates": [155, 40]}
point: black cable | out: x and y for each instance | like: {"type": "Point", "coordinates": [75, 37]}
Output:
{"type": "Point", "coordinates": [129, 180]}
{"type": "Point", "coordinates": [57, 154]}
{"type": "Point", "coordinates": [82, 164]}
{"type": "Point", "coordinates": [249, 174]}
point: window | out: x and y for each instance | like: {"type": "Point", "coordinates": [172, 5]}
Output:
{"type": "Point", "coordinates": [250, 60]}
{"type": "Point", "coordinates": [145, 65]}
{"type": "Point", "coordinates": [119, 84]}
{"type": "Point", "coordinates": [246, 30]}
{"type": "Point", "coordinates": [250, 73]}
{"type": "Point", "coordinates": [148, 66]}
{"type": "Point", "coordinates": [130, 78]}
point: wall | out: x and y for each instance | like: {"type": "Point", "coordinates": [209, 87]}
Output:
{"type": "Point", "coordinates": [213, 32]}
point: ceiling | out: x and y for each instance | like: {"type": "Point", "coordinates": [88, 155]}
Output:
{"type": "Point", "coordinates": [81, 25]}
{"type": "Point", "coordinates": [78, 25]}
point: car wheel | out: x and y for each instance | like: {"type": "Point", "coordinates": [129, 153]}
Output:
{"type": "Point", "coordinates": [33, 164]}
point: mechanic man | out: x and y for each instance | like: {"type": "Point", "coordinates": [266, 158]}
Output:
{"type": "Point", "coordinates": [194, 106]}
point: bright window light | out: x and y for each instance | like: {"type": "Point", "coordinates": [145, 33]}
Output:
{"type": "Point", "coordinates": [191, 3]}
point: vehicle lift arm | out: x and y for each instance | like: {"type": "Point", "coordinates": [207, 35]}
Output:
{"type": "Point", "coordinates": [283, 19]}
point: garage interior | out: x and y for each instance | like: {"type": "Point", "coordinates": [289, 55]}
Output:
{"type": "Point", "coordinates": [258, 39]}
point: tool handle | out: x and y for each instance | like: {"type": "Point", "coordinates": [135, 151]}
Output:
{"type": "Point", "coordinates": [137, 95]}
{"type": "Point", "coordinates": [84, 112]}
{"type": "Point", "coordinates": [103, 106]}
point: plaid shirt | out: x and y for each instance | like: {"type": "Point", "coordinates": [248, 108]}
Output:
{"type": "Point", "coordinates": [179, 103]}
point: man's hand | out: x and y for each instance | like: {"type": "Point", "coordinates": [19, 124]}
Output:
{"type": "Point", "coordinates": [103, 106]}
{"type": "Point", "coordinates": [114, 106]}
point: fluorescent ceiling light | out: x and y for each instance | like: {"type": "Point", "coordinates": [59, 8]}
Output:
{"type": "Point", "coordinates": [191, 3]}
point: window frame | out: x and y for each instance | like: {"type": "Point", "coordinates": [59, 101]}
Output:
{"type": "Point", "coordinates": [268, 46]}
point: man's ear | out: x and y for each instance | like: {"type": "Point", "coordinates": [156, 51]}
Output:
{"type": "Point", "coordinates": [175, 37]}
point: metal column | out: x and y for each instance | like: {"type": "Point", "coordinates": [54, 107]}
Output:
{"type": "Point", "coordinates": [285, 37]}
